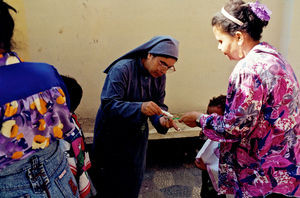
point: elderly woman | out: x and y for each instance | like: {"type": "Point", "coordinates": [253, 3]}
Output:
{"type": "Point", "coordinates": [260, 130]}
{"type": "Point", "coordinates": [134, 91]}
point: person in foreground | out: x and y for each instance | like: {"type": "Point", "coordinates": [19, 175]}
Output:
{"type": "Point", "coordinates": [34, 114]}
{"type": "Point", "coordinates": [259, 133]}
{"type": "Point", "coordinates": [134, 90]}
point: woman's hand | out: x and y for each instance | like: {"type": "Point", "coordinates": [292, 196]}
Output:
{"type": "Point", "coordinates": [190, 118]}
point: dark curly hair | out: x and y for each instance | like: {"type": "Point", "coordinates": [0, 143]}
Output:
{"type": "Point", "coordinates": [6, 26]}
{"type": "Point", "coordinates": [218, 101]}
{"type": "Point", "coordinates": [240, 10]}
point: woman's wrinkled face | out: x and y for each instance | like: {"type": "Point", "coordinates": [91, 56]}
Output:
{"type": "Point", "coordinates": [158, 65]}
{"type": "Point", "coordinates": [226, 43]}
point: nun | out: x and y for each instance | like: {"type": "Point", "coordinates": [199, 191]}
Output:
{"type": "Point", "coordinates": [134, 90]}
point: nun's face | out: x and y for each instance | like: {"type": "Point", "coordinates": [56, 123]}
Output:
{"type": "Point", "coordinates": [158, 65]}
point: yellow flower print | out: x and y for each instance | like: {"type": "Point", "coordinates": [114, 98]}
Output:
{"type": "Point", "coordinates": [61, 99]}
{"type": "Point", "coordinates": [40, 141]}
{"type": "Point", "coordinates": [11, 108]}
{"type": "Point", "coordinates": [57, 131]}
{"type": "Point", "coordinates": [40, 105]}
{"type": "Point", "coordinates": [17, 155]}
{"type": "Point", "coordinates": [9, 129]}
{"type": "Point", "coordinates": [14, 131]}
{"type": "Point", "coordinates": [42, 125]}
{"type": "Point", "coordinates": [19, 136]}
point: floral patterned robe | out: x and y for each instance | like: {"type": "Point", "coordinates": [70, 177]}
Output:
{"type": "Point", "coordinates": [260, 130]}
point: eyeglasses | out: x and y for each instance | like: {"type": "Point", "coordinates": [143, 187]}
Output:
{"type": "Point", "coordinates": [166, 67]}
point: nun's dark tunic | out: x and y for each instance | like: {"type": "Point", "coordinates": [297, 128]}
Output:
{"type": "Point", "coordinates": [121, 130]}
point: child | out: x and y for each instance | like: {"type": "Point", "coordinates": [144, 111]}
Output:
{"type": "Point", "coordinates": [207, 158]}
{"type": "Point", "coordinates": [77, 155]}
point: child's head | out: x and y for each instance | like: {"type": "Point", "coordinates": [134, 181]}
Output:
{"type": "Point", "coordinates": [217, 105]}
{"type": "Point", "coordinates": [74, 90]}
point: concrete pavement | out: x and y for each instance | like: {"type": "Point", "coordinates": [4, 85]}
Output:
{"type": "Point", "coordinates": [170, 171]}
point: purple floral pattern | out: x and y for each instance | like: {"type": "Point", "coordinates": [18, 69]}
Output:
{"type": "Point", "coordinates": [33, 123]}
{"type": "Point", "coordinates": [260, 140]}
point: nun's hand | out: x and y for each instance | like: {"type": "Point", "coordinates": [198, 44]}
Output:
{"type": "Point", "coordinates": [150, 109]}
{"type": "Point", "coordinates": [190, 118]}
{"type": "Point", "coordinates": [168, 123]}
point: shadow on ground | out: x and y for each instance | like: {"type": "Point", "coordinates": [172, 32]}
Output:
{"type": "Point", "coordinates": [170, 169]}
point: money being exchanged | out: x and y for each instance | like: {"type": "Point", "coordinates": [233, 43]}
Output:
{"type": "Point", "coordinates": [170, 116]}
{"type": "Point", "coordinates": [167, 114]}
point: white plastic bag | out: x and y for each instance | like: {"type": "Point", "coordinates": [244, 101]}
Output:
{"type": "Point", "coordinates": [209, 153]}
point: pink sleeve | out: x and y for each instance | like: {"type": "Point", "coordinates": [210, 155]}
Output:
{"type": "Point", "coordinates": [243, 104]}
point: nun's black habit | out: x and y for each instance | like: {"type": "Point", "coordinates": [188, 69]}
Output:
{"type": "Point", "coordinates": [121, 130]}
